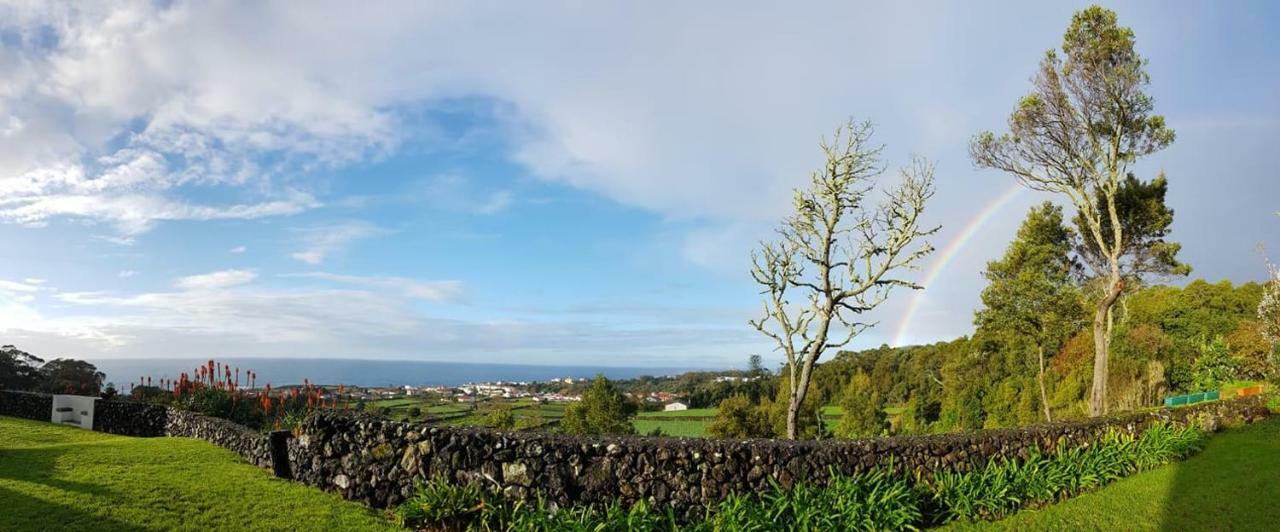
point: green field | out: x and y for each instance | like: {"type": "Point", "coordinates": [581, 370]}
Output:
{"type": "Point", "coordinates": [688, 428]}
{"type": "Point", "coordinates": [63, 478]}
{"type": "Point", "coordinates": [692, 412]}
{"type": "Point", "coordinates": [1230, 486]}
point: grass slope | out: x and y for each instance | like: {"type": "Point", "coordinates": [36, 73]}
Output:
{"type": "Point", "coordinates": [1232, 485]}
{"type": "Point", "coordinates": [62, 478]}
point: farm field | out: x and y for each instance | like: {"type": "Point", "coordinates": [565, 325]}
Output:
{"type": "Point", "coordinates": [63, 478]}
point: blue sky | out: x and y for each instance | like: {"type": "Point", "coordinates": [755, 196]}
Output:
{"type": "Point", "coordinates": [560, 183]}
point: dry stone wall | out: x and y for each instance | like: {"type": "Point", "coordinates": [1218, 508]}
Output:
{"type": "Point", "coordinates": [379, 461]}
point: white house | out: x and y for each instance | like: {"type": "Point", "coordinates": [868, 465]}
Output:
{"type": "Point", "coordinates": [674, 407]}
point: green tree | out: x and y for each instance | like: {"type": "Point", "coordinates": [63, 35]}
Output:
{"type": "Point", "coordinates": [1032, 302]}
{"type": "Point", "coordinates": [415, 412]}
{"type": "Point", "coordinates": [1252, 352]}
{"type": "Point", "coordinates": [19, 370]}
{"type": "Point", "coordinates": [837, 256]}
{"type": "Point", "coordinates": [863, 409]}
{"type": "Point", "coordinates": [501, 418]}
{"type": "Point", "coordinates": [1214, 366]}
{"type": "Point", "coordinates": [602, 410]}
{"type": "Point", "coordinates": [738, 417]}
{"type": "Point", "coordinates": [1087, 120]}
{"type": "Point", "coordinates": [66, 375]}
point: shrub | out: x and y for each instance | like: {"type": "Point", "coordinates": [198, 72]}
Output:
{"type": "Point", "coordinates": [737, 417]}
{"type": "Point", "coordinates": [442, 505]}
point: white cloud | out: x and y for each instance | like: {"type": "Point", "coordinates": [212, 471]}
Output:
{"type": "Point", "coordinates": [125, 274]}
{"type": "Point", "coordinates": [348, 322]}
{"type": "Point", "coordinates": [323, 241]}
{"type": "Point", "coordinates": [15, 286]}
{"type": "Point", "coordinates": [440, 291]}
{"type": "Point", "coordinates": [238, 249]}
{"type": "Point", "coordinates": [668, 109]}
{"type": "Point", "coordinates": [216, 280]}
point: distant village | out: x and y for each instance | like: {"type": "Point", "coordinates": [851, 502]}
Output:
{"type": "Point", "coordinates": [536, 391]}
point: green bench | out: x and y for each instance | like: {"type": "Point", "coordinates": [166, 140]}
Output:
{"type": "Point", "coordinates": [1191, 398]}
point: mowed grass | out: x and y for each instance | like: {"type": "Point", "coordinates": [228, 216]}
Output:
{"type": "Point", "coordinates": [681, 428]}
{"type": "Point", "coordinates": [64, 478]}
{"type": "Point", "coordinates": [1232, 485]}
{"type": "Point", "coordinates": [692, 412]}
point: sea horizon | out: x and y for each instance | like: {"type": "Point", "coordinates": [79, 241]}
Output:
{"type": "Point", "coordinates": [277, 371]}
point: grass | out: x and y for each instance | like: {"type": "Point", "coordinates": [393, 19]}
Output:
{"type": "Point", "coordinates": [1231, 485]}
{"type": "Point", "coordinates": [692, 412]}
{"type": "Point", "coordinates": [683, 428]}
{"type": "Point", "coordinates": [63, 478]}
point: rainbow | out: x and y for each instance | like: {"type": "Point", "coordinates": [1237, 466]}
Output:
{"type": "Point", "coordinates": [948, 254]}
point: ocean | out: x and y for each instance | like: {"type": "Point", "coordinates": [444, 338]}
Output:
{"type": "Point", "coordinates": [283, 371]}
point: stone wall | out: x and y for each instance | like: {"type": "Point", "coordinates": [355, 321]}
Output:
{"type": "Point", "coordinates": [26, 405]}
{"type": "Point", "coordinates": [129, 418]}
{"type": "Point", "coordinates": [250, 444]}
{"type": "Point", "coordinates": [378, 461]}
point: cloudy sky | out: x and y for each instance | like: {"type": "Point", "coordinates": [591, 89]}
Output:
{"type": "Point", "coordinates": [558, 183]}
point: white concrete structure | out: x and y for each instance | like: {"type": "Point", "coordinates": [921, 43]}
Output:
{"type": "Point", "coordinates": [675, 407]}
{"type": "Point", "coordinates": [74, 410]}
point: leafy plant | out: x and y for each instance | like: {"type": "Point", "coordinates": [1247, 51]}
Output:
{"type": "Point", "coordinates": [441, 504]}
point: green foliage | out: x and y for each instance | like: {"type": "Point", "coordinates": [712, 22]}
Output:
{"type": "Point", "coordinates": [501, 418]}
{"type": "Point", "coordinates": [1031, 307]}
{"type": "Point", "coordinates": [878, 500]}
{"type": "Point", "coordinates": [65, 375]}
{"type": "Point", "coordinates": [863, 409]}
{"type": "Point", "coordinates": [738, 417]}
{"type": "Point", "coordinates": [1145, 223]}
{"type": "Point", "coordinates": [1214, 366]}
{"type": "Point", "coordinates": [19, 370]}
{"type": "Point", "coordinates": [1003, 486]}
{"type": "Point", "coordinates": [807, 426]}
{"type": "Point", "coordinates": [222, 403]}
{"type": "Point", "coordinates": [602, 410]}
{"type": "Point", "coordinates": [440, 504]}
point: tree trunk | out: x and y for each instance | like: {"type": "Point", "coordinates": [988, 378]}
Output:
{"type": "Point", "coordinates": [1101, 346]}
{"type": "Point", "coordinates": [1044, 396]}
{"type": "Point", "coordinates": [793, 411]}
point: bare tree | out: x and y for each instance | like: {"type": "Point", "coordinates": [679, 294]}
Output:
{"type": "Point", "coordinates": [837, 258]}
{"type": "Point", "coordinates": [1086, 121]}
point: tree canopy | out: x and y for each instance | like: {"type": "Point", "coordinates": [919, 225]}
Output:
{"type": "Point", "coordinates": [602, 410]}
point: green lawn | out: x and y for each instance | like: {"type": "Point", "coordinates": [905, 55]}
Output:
{"type": "Point", "coordinates": [62, 478]}
{"type": "Point", "coordinates": [1232, 485]}
{"type": "Point", "coordinates": [692, 412]}
{"type": "Point", "coordinates": [684, 428]}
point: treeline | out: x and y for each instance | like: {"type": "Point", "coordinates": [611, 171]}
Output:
{"type": "Point", "coordinates": [1032, 354]}
{"type": "Point", "coordinates": [20, 370]}
{"type": "Point", "coordinates": [1167, 340]}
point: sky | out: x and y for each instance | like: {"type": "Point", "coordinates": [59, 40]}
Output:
{"type": "Point", "coordinates": [541, 183]}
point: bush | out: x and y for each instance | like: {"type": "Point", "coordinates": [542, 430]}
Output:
{"type": "Point", "coordinates": [441, 505]}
